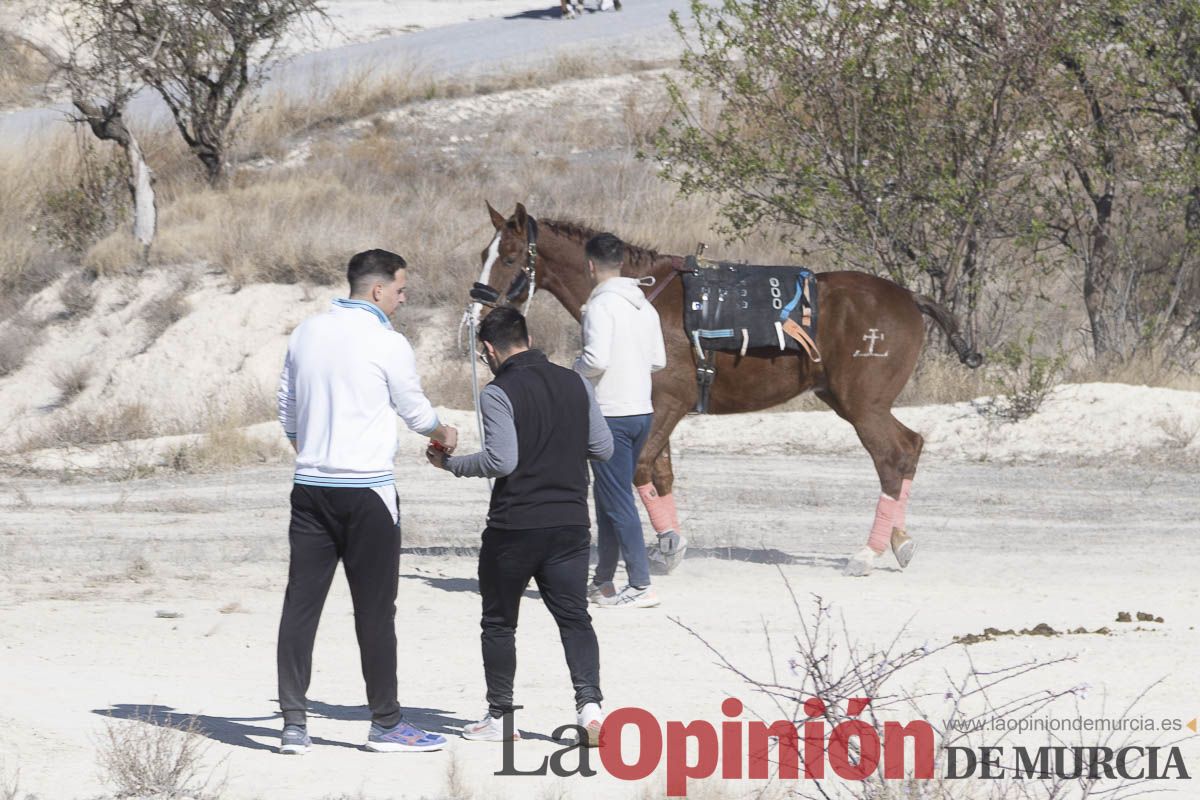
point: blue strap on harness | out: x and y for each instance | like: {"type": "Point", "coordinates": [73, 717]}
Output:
{"type": "Point", "coordinates": [790, 307]}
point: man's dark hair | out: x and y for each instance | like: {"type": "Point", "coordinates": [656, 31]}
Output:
{"type": "Point", "coordinates": [504, 329]}
{"type": "Point", "coordinates": [372, 266]}
{"type": "Point", "coordinates": [607, 250]}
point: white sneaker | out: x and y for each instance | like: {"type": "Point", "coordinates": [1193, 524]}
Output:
{"type": "Point", "coordinates": [591, 719]}
{"type": "Point", "coordinates": [488, 729]}
{"type": "Point", "coordinates": [596, 591]}
{"type": "Point", "coordinates": [631, 597]}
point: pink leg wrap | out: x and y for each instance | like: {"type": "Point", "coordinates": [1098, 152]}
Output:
{"type": "Point", "coordinates": [902, 503]}
{"type": "Point", "coordinates": [881, 531]}
{"type": "Point", "coordinates": [661, 509]}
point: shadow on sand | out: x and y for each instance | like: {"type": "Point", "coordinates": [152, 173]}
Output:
{"type": "Point", "coordinates": [237, 731]}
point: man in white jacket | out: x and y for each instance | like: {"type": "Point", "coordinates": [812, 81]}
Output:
{"type": "Point", "coordinates": [346, 376]}
{"type": "Point", "coordinates": [622, 346]}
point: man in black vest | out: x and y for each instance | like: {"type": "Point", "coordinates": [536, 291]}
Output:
{"type": "Point", "coordinates": [541, 424]}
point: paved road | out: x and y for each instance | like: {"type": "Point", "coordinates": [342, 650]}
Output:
{"type": "Point", "coordinates": [469, 48]}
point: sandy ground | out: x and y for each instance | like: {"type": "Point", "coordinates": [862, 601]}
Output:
{"type": "Point", "coordinates": [89, 565]}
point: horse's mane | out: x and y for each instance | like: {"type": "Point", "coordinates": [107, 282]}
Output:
{"type": "Point", "coordinates": [580, 233]}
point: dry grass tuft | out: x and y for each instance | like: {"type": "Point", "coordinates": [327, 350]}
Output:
{"type": "Point", "coordinates": [456, 786]}
{"type": "Point", "coordinates": [272, 122]}
{"type": "Point", "coordinates": [16, 341]}
{"type": "Point", "coordinates": [73, 428]}
{"type": "Point", "coordinates": [10, 788]}
{"type": "Point", "coordinates": [78, 295]}
{"type": "Point", "coordinates": [27, 264]}
{"type": "Point", "coordinates": [71, 381]}
{"type": "Point", "coordinates": [224, 448]}
{"type": "Point", "coordinates": [23, 72]}
{"type": "Point", "coordinates": [150, 756]}
{"type": "Point", "coordinates": [941, 378]}
{"type": "Point", "coordinates": [162, 314]}
{"type": "Point", "coordinates": [224, 443]}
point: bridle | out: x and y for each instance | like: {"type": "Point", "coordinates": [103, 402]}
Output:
{"type": "Point", "coordinates": [524, 280]}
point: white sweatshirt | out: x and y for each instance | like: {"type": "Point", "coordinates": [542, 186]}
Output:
{"type": "Point", "coordinates": [622, 345]}
{"type": "Point", "coordinates": [346, 375]}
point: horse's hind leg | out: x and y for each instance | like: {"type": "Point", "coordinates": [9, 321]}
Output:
{"type": "Point", "coordinates": [655, 479]}
{"type": "Point", "coordinates": [895, 451]}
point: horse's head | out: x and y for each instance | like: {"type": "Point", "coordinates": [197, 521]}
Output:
{"type": "Point", "coordinates": [508, 275]}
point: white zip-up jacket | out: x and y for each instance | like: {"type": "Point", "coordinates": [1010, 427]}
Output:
{"type": "Point", "coordinates": [622, 346]}
{"type": "Point", "coordinates": [346, 375]}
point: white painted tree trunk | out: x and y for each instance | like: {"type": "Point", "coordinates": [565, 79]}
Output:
{"type": "Point", "coordinates": [141, 183]}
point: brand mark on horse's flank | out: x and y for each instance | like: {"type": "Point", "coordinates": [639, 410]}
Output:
{"type": "Point", "coordinates": [872, 336]}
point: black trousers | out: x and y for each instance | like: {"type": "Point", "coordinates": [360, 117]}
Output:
{"type": "Point", "coordinates": [355, 526]}
{"type": "Point", "coordinates": [557, 560]}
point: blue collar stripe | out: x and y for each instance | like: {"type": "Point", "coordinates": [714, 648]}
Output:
{"type": "Point", "coordinates": [345, 303]}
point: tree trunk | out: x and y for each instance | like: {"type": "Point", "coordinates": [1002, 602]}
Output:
{"type": "Point", "coordinates": [213, 159]}
{"type": "Point", "coordinates": [108, 124]}
{"type": "Point", "coordinates": [1097, 286]}
{"type": "Point", "coordinates": [141, 185]}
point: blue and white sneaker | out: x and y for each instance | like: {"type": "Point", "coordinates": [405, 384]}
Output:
{"type": "Point", "coordinates": [403, 738]}
{"type": "Point", "coordinates": [294, 741]}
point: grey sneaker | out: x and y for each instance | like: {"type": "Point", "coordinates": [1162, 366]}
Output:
{"type": "Point", "coordinates": [403, 738]}
{"type": "Point", "coordinates": [294, 741]}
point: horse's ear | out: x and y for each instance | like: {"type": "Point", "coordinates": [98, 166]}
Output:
{"type": "Point", "coordinates": [497, 217]}
{"type": "Point", "coordinates": [521, 216]}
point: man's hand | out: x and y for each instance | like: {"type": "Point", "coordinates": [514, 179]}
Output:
{"type": "Point", "coordinates": [436, 455]}
{"type": "Point", "coordinates": [447, 436]}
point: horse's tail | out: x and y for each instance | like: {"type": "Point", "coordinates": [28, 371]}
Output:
{"type": "Point", "coordinates": [949, 325]}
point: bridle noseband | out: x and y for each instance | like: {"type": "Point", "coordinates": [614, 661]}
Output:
{"type": "Point", "coordinates": [524, 280]}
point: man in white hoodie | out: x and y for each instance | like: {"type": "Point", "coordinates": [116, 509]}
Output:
{"type": "Point", "coordinates": [622, 346]}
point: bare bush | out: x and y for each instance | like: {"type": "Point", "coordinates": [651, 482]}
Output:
{"type": "Point", "coordinates": [87, 205]}
{"type": "Point", "coordinates": [146, 756]}
{"type": "Point", "coordinates": [828, 664]}
{"type": "Point", "coordinates": [1180, 434]}
{"type": "Point", "coordinates": [71, 381]}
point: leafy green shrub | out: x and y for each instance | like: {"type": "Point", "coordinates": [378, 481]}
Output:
{"type": "Point", "coordinates": [1022, 380]}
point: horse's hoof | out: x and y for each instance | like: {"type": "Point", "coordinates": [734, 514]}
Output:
{"type": "Point", "coordinates": [667, 553]}
{"type": "Point", "coordinates": [903, 546]}
{"type": "Point", "coordinates": [860, 563]}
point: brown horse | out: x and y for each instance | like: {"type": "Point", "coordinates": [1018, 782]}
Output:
{"type": "Point", "coordinates": [869, 334]}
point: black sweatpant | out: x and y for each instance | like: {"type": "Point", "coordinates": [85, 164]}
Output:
{"type": "Point", "coordinates": [356, 526]}
{"type": "Point", "coordinates": [557, 560]}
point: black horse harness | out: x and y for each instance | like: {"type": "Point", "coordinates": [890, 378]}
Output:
{"type": "Point", "coordinates": [524, 280]}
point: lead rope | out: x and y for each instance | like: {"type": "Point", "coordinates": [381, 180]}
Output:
{"type": "Point", "coordinates": [475, 383]}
